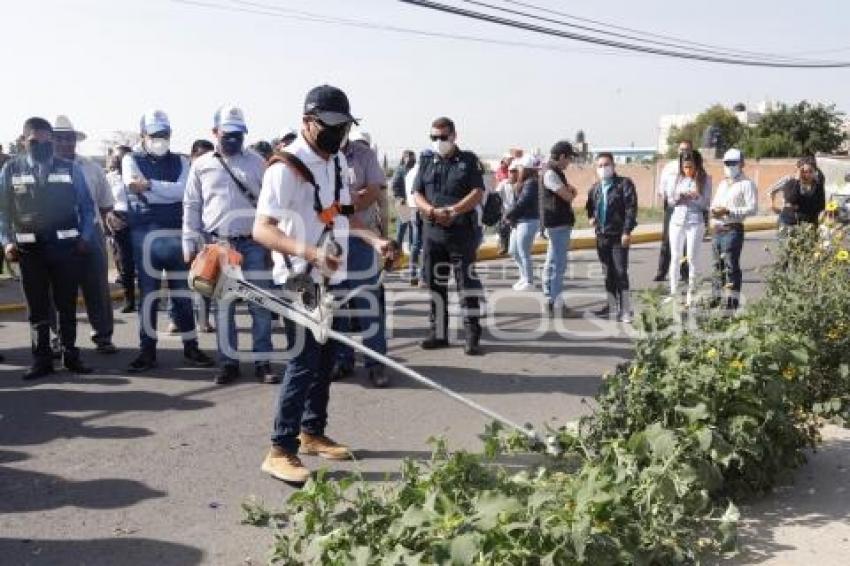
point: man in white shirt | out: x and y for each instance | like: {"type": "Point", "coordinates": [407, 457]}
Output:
{"type": "Point", "coordinates": [155, 178]}
{"type": "Point", "coordinates": [417, 227]}
{"type": "Point", "coordinates": [734, 200]}
{"type": "Point", "coordinates": [303, 210]}
{"type": "Point", "coordinates": [220, 205]}
{"type": "Point", "coordinates": [94, 280]}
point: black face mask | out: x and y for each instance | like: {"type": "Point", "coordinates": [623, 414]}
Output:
{"type": "Point", "coordinates": [330, 138]}
{"type": "Point", "coordinates": [231, 144]}
{"type": "Point", "coordinates": [40, 152]}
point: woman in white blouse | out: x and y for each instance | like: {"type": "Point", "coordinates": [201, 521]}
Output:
{"type": "Point", "coordinates": [690, 197]}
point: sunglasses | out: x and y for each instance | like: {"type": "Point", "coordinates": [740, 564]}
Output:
{"type": "Point", "coordinates": [443, 137]}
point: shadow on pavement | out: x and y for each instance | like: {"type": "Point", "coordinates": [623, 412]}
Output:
{"type": "Point", "coordinates": [28, 415]}
{"type": "Point", "coordinates": [23, 491]}
{"type": "Point", "coordinates": [818, 498]}
{"type": "Point", "coordinates": [98, 552]}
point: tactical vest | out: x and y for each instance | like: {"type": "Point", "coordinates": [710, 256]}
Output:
{"type": "Point", "coordinates": [43, 209]}
{"type": "Point", "coordinates": [166, 168]}
{"type": "Point", "coordinates": [554, 211]}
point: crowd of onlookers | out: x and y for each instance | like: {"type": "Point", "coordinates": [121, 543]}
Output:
{"type": "Point", "coordinates": [309, 214]}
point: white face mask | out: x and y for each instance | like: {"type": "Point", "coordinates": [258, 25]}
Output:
{"type": "Point", "coordinates": [158, 146]}
{"type": "Point", "coordinates": [732, 171]}
{"type": "Point", "coordinates": [605, 172]}
{"type": "Point", "coordinates": [442, 147]}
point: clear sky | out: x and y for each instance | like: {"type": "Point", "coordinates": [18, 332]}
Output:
{"type": "Point", "coordinates": [103, 62]}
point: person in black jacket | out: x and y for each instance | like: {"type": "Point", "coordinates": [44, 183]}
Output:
{"type": "Point", "coordinates": [524, 217]}
{"type": "Point", "coordinates": [804, 195]}
{"type": "Point", "coordinates": [612, 210]}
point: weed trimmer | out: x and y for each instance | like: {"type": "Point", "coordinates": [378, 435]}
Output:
{"type": "Point", "coordinates": [217, 273]}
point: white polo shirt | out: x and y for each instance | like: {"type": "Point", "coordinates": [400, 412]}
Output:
{"type": "Point", "coordinates": [289, 199]}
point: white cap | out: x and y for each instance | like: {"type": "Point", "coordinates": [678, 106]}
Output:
{"type": "Point", "coordinates": [733, 155]}
{"type": "Point", "coordinates": [229, 119]}
{"type": "Point", "coordinates": [361, 135]}
{"type": "Point", "coordinates": [154, 122]}
{"type": "Point", "coordinates": [63, 124]}
{"type": "Point", "coordinates": [526, 162]}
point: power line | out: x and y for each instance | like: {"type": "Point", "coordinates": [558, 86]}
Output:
{"type": "Point", "coordinates": [620, 44]}
{"type": "Point", "coordinates": [256, 8]}
{"type": "Point", "coordinates": [678, 40]}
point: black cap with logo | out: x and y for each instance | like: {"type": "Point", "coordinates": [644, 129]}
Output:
{"type": "Point", "coordinates": [329, 104]}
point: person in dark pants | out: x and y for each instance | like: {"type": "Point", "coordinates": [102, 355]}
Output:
{"type": "Point", "coordinates": [304, 215]}
{"type": "Point", "coordinates": [156, 180]}
{"type": "Point", "coordinates": [668, 176]}
{"type": "Point", "coordinates": [119, 230]}
{"type": "Point", "coordinates": [47, 225]}
{"type": "Point", "coordinates": [734, 200]}
{"type": "Point", "coordinates": [612, 210]}
{"type": "Point", "coordinates": [94, 277]}
{"type": "Point", "coordinates": [447, 189]}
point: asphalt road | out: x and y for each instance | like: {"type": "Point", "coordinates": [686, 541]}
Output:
{"type": "Point", "coordinates": [141, 470]}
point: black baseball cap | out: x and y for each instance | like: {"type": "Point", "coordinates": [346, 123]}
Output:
{"type": "Point", "coordinates": [329, 104]}
{"type": "Point", "coordinates": [563, 148]}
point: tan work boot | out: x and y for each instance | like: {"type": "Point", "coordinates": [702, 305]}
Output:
{"type": "Point", "coordinates": [285, 466]}
{"type": "Point", "coordinates": [321, 445]}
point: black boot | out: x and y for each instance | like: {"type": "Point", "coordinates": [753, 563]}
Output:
{"type": "Point", "coordinates": [229, 373]}
{"type": "Point", "coordinates": [129, 300]}
{"type": "Point", "coordinates": [146, 360]}
{"type": "Point", "coordinates": [433, 342]}
{"type": "Point", "coordinates": [195, 357]}
{"type": "Point", "coordinates": [73, 363]}
{"type": "Point", "coordinates": [472, 342]}
{"type": "Point", "coordinates": [42, 367]}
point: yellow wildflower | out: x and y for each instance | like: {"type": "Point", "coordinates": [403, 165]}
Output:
{"type": "Point", "coordinates": [832, 206]}
{"type": "Point", "coordinates": [842, 255]}
{"type": "Point", "coordinates": [736, 365]}
{"type": "Point", "coordinates": [711, 353]}
{"type": "Point", "coordinates": [789, 373]}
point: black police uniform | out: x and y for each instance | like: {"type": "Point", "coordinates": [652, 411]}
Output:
{"type": "Point", "coordinates": [445, 182]}
{"type": "Point", "coordinates": [42, 208]}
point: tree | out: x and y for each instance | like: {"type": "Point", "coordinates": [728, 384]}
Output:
{"type": "Point", "coordinates": [730, 129]}
{"type": "Point", "coordinates": [800, 129]}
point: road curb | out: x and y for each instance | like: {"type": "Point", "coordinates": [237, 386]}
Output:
{"type": "Point", "coordinates": [489, 251]}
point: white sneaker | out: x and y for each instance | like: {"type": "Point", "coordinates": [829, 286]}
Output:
{"type": "Point", "coordinates": [523, 285]}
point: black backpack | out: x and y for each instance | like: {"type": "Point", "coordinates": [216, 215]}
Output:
{"type": "Point", "coordinates": [492, 212]}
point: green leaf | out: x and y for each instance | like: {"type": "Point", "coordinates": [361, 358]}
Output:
{"type": "Point", "coordinates": [698, 412]}
{"type": "Point", "coordinates": [464, 548]}
{"type": "Point", "coordinates": [662, 442]}
{"type": "Point", "coordinates": [490, 506]}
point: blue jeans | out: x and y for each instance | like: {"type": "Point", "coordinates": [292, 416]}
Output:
{"type": "Point", "coordinates": [557, 254]}
{"type": "Point", "coordinates": [164, 252]}
{"type": "Point", "coordinates": [404, 229]}
{"type": "Point", "coordinates": [727, 246]}
{"type": "Point", "coordinates": [255, 267]}
{"type": "Point", "coordinates": [522, 238]}
{"type": "Point", "coordinates": [302, 403]}
{"type": "Point", "coordinates": [416, 228]}
{"type": "Point", "coordinates": [366, 309]}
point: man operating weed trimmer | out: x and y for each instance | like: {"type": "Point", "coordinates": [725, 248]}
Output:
{"type": "Point", "coordinates": [303, 217]}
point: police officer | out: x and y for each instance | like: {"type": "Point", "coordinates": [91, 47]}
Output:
{"type": "Point", "coordinates": [156, 180]}
{"type": "Point", "coordinates": [447, 188]}
{"type": "Point", "coordinates": [47, 224]}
